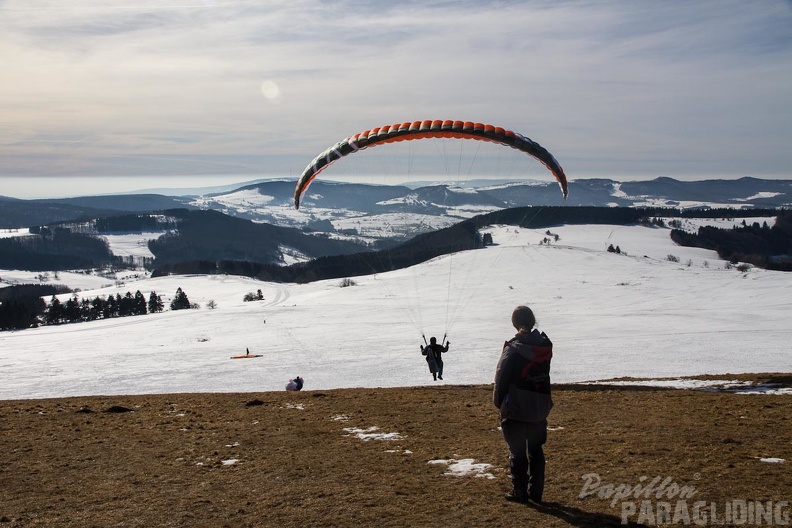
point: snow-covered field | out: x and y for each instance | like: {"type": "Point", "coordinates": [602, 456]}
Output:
{"type": "Point", "coordinates": [14, 232]}
{"type": "Point", "coordinates": [610, 315]}
{"type": "Point", "coordinates": [135, 245]}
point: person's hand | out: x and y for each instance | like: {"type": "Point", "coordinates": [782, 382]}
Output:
{"type": "Point", "coordinates": [448, 343]}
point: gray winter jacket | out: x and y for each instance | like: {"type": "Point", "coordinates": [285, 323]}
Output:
{"type": "Point", "coordinates": [522, 379]}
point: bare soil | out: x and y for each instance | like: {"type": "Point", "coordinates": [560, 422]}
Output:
{"type": "Point", "coordinates": [294, 459]}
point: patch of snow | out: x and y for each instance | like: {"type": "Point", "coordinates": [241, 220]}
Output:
{"type": "Point", "coordinates": [132, 245]}
{"type": "Point", "coordinates": [408, 199]}
{"type": "Point", "coordinates": [766, 194]}
{"type": "Point", "coordinates": [392, 224]}
{"type": "Point", "coordinates": [371, 434]}
{"type": "Point", "coordinates": [469, 211]}
{"type": "Point", "coordinates": [617, 191]}
{"type": "Point", "coordinates": [680, 383]}
{"type": "Point", "coordinates": [292, 256]}
{"type": "Point", "coordinates": [465, 467]}
{"type": "Point", "coordinates": [76, 280]}
{"type": "Point", "coordinates": [531, 183]}
{"type": "Point", "coordinates": [462, 190]}
{"type": "Point", "coordinates": [246, 200]}
{"type": "Point", "coordinates": [762, 388]}
{"type": "Point", "coordinates": [14, 232]}
{"type": "Point", "coordinates": [715, 385]}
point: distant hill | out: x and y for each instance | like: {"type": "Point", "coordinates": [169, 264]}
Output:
{"type": "Point", "coordinates": [27, 213]}
{"type": "Point", "coordinates": [188, 236]}
{"type": "Point", "coordinates": [126, 202]}
{"type": "Point", "coordinates": [436, 205]}
{"type": "Point", "coordinates": [338, 202]}
{"type": "Point", "coordinates": [743, 192]}
{"type": "Point", "coordinates": [15, 213]}
{"type": "Point", "coordinates": [214, 236]}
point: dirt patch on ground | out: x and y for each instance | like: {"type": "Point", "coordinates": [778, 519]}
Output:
{"type": "Point", "coordinates": [385, 457]}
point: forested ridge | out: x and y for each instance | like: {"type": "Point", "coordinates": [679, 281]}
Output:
{"type": "Point", "coordinates": [214, 236]}
{"type": "Point", "coordinates": [762, 245]}
{"type": "Point", "coordinates": [462, 236]}
{"type": "Point", "coordinates": [187, 235]}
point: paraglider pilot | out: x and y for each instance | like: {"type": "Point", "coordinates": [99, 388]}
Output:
{"type": "Point", "coordinates": [434, 357]}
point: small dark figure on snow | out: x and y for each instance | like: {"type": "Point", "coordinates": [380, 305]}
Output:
{"type": "Point", "coordinates": [434, 357]}
{"type": "Point", "coordinates": [295, 384]}
{"type": "Point", "coordinates": [522, 393]}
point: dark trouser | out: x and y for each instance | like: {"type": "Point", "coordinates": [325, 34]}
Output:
{"type": "Point", "coordinates": [432, 367]}
{"type": "Point", "coordinates": [526, 457]}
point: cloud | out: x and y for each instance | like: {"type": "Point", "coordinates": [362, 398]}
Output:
{"type": "Point", "coordinates": [615, 89]}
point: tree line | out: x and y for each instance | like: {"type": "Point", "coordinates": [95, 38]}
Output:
{"type": "Point", "coordinates": [31, 311]}
{"type": "Point", "coordinates": [758, 244]}
{"type": "Point", "coordinates": [21, 304]}
{"type": "Point", "coordinates": [54, 249]}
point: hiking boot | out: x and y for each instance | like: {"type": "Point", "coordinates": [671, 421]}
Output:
{"type": "Point", "coordinates": [517, 495]}
{"type": "Point", "coordinates": [439, 377]}
{"type": "Point", "coordinates": [535, 493]}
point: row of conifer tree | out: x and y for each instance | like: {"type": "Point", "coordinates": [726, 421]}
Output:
{"type": "Point", "coordinates": [75, 309]}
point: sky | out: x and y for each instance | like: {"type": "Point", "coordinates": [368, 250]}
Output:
{"type": "Point", "coordinates": [635, 314]}
{"type": "Point", "coordinates": [115, 95]}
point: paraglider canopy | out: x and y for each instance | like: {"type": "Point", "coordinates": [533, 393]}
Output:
{"type": "Point", "coordinates": [426, 130]}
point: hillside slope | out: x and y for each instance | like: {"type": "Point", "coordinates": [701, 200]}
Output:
{"type": "Point", "coordinates": [382, 457]}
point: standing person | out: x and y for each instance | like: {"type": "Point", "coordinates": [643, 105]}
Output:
{"type": "Point", "coordinates": [434, 357]}
{"type": "Point", "coordinates": [522, 393]}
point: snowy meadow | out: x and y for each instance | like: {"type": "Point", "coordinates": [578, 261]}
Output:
{"type": "Point", "coordinates": [637, 314]}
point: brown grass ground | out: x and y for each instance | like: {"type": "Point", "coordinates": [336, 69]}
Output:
{"type": "Point", "coordinates": [71, 463]}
